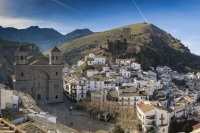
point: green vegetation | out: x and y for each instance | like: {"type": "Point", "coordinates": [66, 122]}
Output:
{"type": "Point", "coordinates": [78, 48]}
{"type": "Point", "coordinates": [179, 82]}
{"type": "Point", "coordinates": [118, 129]}
{"type": "Point", "coordinates": [6, 119]}
{"type": "Point", "coordinates": [185, 126]}
{"type": "Point", "coordinates": [157, 48]}
{"type": "Point", "coordinates": [82, 69]}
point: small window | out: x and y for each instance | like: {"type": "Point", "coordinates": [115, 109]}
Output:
{"type": "Point", "coordinates": [21, 57]}
{"type": "Point", "coordinates": [52, 57]}
{"type": "Point", "coordinates": [81, 96]}
{"type": "Point", "coordinates": [163, 130]}
{"type": "Point", "coordinates": [56, 57]}
{"type": "Point", "coordinates": [56, 73]}
{"type": "Point", "coordinates": [56, 96]}
{"type": "Point", "coordinates": [22, 74]}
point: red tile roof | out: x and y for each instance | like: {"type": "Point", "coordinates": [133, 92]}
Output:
{"type": "Point", "coordinates": [197, 126]}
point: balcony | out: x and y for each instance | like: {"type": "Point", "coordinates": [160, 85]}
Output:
{"type": "Point", "coordinates": [82, 89]}
{"type": "Point", "coordinates": [82, 84]}
{"type": "Point", "coordinates": [163, 125]}
{"type": "Point", "coordinates": [150, 118]}
{"type": "Point", "coordinates": [161, 118]}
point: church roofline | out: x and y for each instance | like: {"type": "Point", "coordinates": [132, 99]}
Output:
{"type": "Point", "coordinates": [21, 49]}
{"type": "Point", "coordinates": [55, 49]}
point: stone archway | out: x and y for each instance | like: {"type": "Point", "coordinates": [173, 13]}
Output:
{"type": "Point", "coordinates": [39, 97]}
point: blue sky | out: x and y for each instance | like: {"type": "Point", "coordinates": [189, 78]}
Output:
{"type": "Point", "coordinates": [180, 18]}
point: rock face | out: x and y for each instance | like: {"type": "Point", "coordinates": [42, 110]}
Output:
{"type": "Point", "coordinates": [7, 57]}
{"type": "Point", "coordinates": [44, 38]}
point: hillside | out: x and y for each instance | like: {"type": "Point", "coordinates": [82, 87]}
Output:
{"type": "Point", "coordinates": [7, 57]}
{"type": "Point", "coordinates": [157, 47]}
{"type": "Point", "coordinates": [44, 38]}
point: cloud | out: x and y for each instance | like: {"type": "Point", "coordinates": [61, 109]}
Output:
{"type": "Point", "coordinates": [21, 23]}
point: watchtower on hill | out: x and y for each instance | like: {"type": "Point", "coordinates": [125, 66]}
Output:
{"type": "Point", "coordinates": [127, 33]}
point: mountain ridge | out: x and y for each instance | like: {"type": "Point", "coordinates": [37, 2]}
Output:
{"type": "Point", "coordinates": [44, 38]}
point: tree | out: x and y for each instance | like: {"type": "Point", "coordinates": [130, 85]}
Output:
{"type": "Point", "coordinates": [127, 117]}
{"type": "Point", "coordinates": [118, 129]}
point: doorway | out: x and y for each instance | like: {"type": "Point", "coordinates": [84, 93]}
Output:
{"type": "Point", "coordinates": [39, 97]}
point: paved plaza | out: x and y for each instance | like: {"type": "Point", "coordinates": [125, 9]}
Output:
{"type": "Point", "coordinates": [77, 119]}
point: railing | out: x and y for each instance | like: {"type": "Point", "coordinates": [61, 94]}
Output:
{"type": "Point", "coordinates": [162, 125]}
{"type": "Point", "coordinates": [82, 89]}
{"type": "Point", "coordinates": [161, 118]}
{"type": "Point", "coordinates": [150, 118]}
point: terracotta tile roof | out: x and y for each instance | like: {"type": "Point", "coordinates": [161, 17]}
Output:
{"type": "Point", "coordinates": [197, 126]}
{"type": "Point", "coordinates": [31, 128]}
{"type": "Point", "coordinates": [6, 127]}
{"type": "Point", "coordinates": [145, 107]}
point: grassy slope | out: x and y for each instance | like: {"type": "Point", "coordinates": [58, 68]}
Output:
{"type": "Point", "coordinates": [157, 46]}
{"type": "Point", "coordinates": [78, 48]}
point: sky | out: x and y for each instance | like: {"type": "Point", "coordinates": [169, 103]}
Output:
{"type": "Point", "coordinates": [180, 18]}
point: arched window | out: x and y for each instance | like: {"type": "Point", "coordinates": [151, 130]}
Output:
{"type": "Point", "coordinates": [21, 57]}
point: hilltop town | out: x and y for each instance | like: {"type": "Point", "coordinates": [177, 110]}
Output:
{"type": "Point", "coordinates": [101, 92]}
{"type": "Point", "coordinates": [159, 96]}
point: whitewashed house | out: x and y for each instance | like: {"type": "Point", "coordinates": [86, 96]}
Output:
{"type": "Point", "coordinates": [153, 117]}
{"type": "Point", "coordinates": [95, 83]}
{"type": "Point", "coordinates": [76, 89]}
{"type": "Point", "coordinates": [136, 66]}
{"type": "Point", "coordinates": [125, 62]}
{"type": "Point", "coordinates": [8, 99]}
{"type": "Point", "coordinates": [130, 96]}
{"type": "Point", "coordinates": [92, 59]}
{"type": "Point", "coordinates": [105, 69]}
{"type": "Point", "coordinates": [125, 73]}
{"type": "Point", "coordinates": [110, 85]}
{"type": "Point", "coordinates": [99, 95]}
{"type": "Point", "coordinates": [91, 73]}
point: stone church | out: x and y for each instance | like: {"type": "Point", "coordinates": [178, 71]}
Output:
{"type": "Point", "coordinates": [39, 78]}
